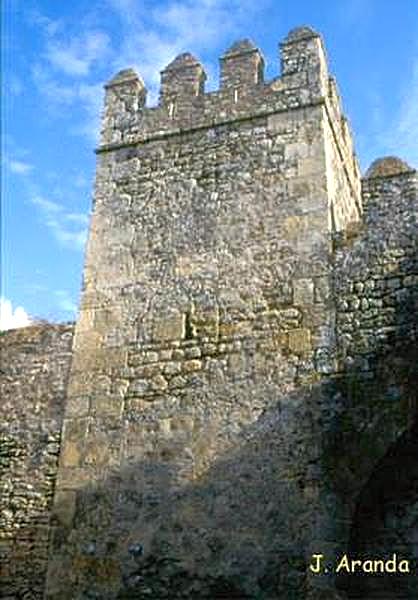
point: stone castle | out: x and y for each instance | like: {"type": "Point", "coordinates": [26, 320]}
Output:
{"type": "Point", "coordinates": [239, 392]}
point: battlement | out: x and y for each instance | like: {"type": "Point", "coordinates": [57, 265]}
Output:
{"type": "Point", "coordinates": [243, 93]}
{"type": "Point", "coordinates": [183, 78]}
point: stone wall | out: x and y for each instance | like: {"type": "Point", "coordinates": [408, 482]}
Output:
{"type": "Point", "coordinates": [371, 447]}
{"type": "Point", "coordinates": [243, 385]}
{"type": "Point", "coordinates": [343, 173]}
{"type": "Point", "coordinates": [206, 326]}
{"type": "Point", "coordinates": [34, 365]}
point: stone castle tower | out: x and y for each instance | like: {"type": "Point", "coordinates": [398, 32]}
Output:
{"type": "Point", "coordinates": [243, 376]}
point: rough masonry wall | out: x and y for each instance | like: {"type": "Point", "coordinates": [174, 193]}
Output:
{"type": "Point", "coordinates": [34, 364]}
{"type": "Point", "coordinates": [190, 459]}
{"type": "Point", "coordinates": [372, 449]}
{"type": "Point", "coordinates": [243, 388]}
{"type": "Point", "coordinates": [343, 175]}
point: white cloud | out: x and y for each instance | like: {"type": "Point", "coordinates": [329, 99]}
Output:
{"type": "Point", "coordinates": [55, 92]}
{"type": "Point", "coordinates": [189, 25]}
{"type": "Point", "coordinates": [76, 56]}
{"type": "Point", "coordinates": [85, 96]}
{"type": "Point", "coordinates": [19, 167]}
{"type": "Point", "coordinates": [150, 38]}
{"type": "Point", "coordinates": [69, 228]}
{"type": "Point", "coordinates": [69, 52]}
{"type": "Point", "coordinates": [46, 205]}
{"type": "Point", "coordinates": [79, 218]}
{"type": "Point", "coordinates": [71, 55]}
{"type": "Point", "coordinates": [91, 99]}
{"type": "Point", "coordinates": [81, 181]}
{"type": "Point", "coordinates": [12, 318]}
{"type": "Point", "coordinates": [49, 26]}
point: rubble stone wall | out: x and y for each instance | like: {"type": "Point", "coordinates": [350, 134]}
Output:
{"type": "Point", "coordinates": [243, 379]}
{"type": "Point", "coordinates": [206, 315]}
{"type": "Point", "coordinates": [373, 445]}
{"type": "Point", "coordinates": [34, 364]}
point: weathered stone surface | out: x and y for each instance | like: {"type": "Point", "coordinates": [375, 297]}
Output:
{"type": "Point", "coordinates": [34, 363]}
{"type": "Point", "coordinates": [245, 358]}
{"type": "Point", "coordinates": [211, 242]}
{"type": "Point", "coordinates": [387, 166]}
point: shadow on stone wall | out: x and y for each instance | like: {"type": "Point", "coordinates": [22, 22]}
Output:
{"type": "Point", "coordinates": [333, 464]}
{"type": "Point", "coordinates": [373, 452]}
{"type": "Point", "coordinates": [234, 533]}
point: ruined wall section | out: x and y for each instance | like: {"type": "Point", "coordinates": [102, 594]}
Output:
{"type": "Point", "coordinates": [205, 311]}
{"type": "Point", "coordinates": [376, 290]}
{"type": "Point", "coordinates": [34, 363]}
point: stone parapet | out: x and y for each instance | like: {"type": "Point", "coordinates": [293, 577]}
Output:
{"type": "Point", "coordinates": [242, 94]}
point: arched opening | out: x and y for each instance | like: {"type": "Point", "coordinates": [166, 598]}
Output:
{"type": "Point", "coordinates": [385, 527]}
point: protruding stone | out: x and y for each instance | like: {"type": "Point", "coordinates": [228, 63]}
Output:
{"type": "Point", "coordinates": [182, 61]}
{"type": "Point", "coordinates": [387, 166]}
{"type": "Point", "coordinates": [125, 76]}
{"type": "Point", "coordinates": [125, 98]}
{"type": "Point", "coordinates": [300, 341]}
{"type": "Point", "coordinates": [241, 47]}
{"type": "Point", "coordinates": [303, 60]}
{"type": "Point", "coordinates": [183, 78]}
{"type": "Point", "coordinates": [300, 33]}
{"type": "Point", "coordinates": [242, 65]}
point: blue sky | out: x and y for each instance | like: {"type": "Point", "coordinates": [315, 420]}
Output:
{"type": "Point", "coordinates": [57, 55]}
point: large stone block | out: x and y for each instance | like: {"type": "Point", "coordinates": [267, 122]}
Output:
{"type": "Point", "coordinates": [169, 327]}
{"type": "Point", "coordinates": [300, 341]}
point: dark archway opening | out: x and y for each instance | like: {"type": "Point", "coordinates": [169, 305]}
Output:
{"type": "Point", "coordinates": [385, 524]}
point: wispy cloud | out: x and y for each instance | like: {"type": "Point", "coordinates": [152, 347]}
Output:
{"type": "Point", "coordinates": [54, 90]}
{"type": "Point", "coordinates": [399, 134]}
{"type": "Point", "coordinates": [55, 207]}
{"type": "Point", "coordinates": [150, 43]}
{"type": "Point", "coordinates": [77, 55]}
{"type": "Point", "coordinates": [49, 26]}
{"type": "Point", "coordinates": [91, 99]}
{"type": "Point", "coordinates": [87, 97]}
{"type": "Point", "coordinates": [19, 167]}
{"type": "Point", "coordinates": [12, 318]}
{"type": "Point", "coordinates": [63, 72]}
{"type": "Point", "coordinates": [71, 70]}
{"type": "Point", "coordinates": [81, 181]}
{"type": "Point", "coordinates": [68, 228]}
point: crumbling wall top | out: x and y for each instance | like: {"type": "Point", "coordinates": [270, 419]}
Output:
{"type": "Point", "coordinates": [241, 47]}
{"type": "Point", "coordinates": [387, 166]}
{"type": "Point", "coordinates": [300, 33]}
{"type": "Point", "coordinates": [125, 76]}
{"type": "Point", "coordinates": [184, 60]}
